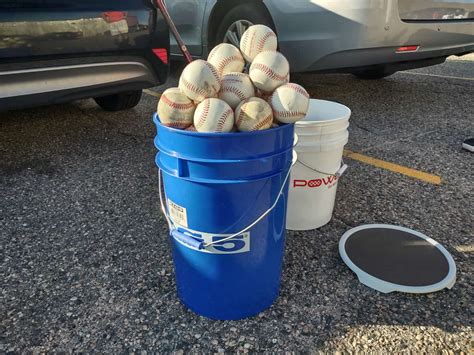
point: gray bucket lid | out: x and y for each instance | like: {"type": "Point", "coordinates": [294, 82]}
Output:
{"type": "Point", "coordinates": [391, 258]}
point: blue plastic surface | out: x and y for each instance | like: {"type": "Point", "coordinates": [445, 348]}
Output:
{"type": "Point", "coordinates": [241, 277]}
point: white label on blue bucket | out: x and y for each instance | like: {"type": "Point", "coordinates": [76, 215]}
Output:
{"type": "Point", "coordinates": [178, 213]}
{"type": "Point", "coordinates": [236, 245]}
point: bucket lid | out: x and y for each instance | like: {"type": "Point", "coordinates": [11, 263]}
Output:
{"type": "Point", "coordinates": [391, 258]}
{"type": "Point", "coordinates": [323, 112]}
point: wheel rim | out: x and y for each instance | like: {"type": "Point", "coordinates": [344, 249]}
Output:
{"type": "Point", "coordinates": [235, 31]}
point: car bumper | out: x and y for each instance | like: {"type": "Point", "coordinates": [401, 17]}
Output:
{"type": "Point", "coordinates": [49, 82]}
{"type": "Point", "coordinates": [323, 35]}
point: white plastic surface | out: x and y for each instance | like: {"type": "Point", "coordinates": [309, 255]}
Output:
{"type": "Point", "coordinates": [322, 136]}
{"type": "Point", "coordinates": [387, 287]}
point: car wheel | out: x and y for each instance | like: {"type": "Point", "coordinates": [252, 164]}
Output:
{"type": "Point", "coordinates": [120, 101]}
{"type": "Point", "coordinates": [373, 74]}
{"type": "Point", "coordinates": [238, 20]}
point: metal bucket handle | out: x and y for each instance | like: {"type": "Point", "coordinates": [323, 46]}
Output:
{"type": "Point", "coordinates": [199, 245]}
{"type": "Point", "coordinates": [337, 174]}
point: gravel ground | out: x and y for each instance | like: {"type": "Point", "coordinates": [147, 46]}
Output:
{"type": "Point", "coordinates": [86, 264]}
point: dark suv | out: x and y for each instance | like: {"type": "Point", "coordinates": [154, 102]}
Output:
{"type": "Point", "coordinates": [61, 50]}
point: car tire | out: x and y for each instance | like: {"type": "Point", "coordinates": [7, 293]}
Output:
{"type": "Point", "coordinates": [373, 74]}
{"type": "Point", "coordinates": [120, 101]}
{"type": "Point", "coordinates": [249, 14]}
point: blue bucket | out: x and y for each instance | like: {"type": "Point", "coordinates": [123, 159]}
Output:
{"type": "Point", "coordinates": [225, 202]}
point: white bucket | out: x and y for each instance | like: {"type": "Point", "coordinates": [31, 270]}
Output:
{"type": "Point", "coordinates": [322, 135]}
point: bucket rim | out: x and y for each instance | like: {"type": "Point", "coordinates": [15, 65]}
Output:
{"type": "Point", "coordinates": [342, 141]}
{"type": "Point", "coordinates": [230, 181]}
{"type": "Point", "coordinates": [340, 137]}
{"type": "Point", "coordinates": [157, 121]}
{"type": "Point", "coordinates": [345, 117]}
{"type": "Point", "coordinates": [290, 166]}
{"type": "Point", "coordinates": [176, 155]}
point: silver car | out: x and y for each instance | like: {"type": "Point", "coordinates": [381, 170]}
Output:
{"type": "Point", "coordinates": [369, 38]}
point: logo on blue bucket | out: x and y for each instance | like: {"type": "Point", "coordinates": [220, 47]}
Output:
{"type": "Point", "coordinates": [236, 245]}
{"type": "Point", "coordinates": [214, 243]}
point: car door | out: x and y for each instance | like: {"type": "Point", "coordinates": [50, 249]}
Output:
{"type": "Point", "coordinates": [188, 16]}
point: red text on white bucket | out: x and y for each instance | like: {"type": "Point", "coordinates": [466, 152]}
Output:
{"type": "Point", "coordinates": [329, 181]}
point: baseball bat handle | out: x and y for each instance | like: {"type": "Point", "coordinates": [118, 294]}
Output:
{"type": "Point", "coordinates": [164, 11]}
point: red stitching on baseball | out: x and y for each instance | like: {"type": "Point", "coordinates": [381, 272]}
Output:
{"type": "Point", "coordinates": [195, 89]}
{"type": "Point", "coordinates": [176, 105]}
{"type": "Point", "coordinates": [235, 91]}
{"type": "Point", "coordinates": [252, 40]}
{"type": "Point", "coordinates": [298, 89]}
{"type": "Point", "coordinates": [213, 52]}
{"type": "Point", "coordinates": [204, 113]}
{"type": "Point", "coordinates": [226, 61]}
{"type": "Point", "coordinates": [268, 71]}
{"type": "Point", "coordinates": [263, 123]}
{"type": "Point", "coordinates": [241, 114]}
{"type": "Point", "coordinates": [243, 43]}
{"type": "Point", "coordinates": [214, 72]}
{"type": "Point", "coordinates": [263, 40]}
{"type": "Point", "coordinates": [221, 122]}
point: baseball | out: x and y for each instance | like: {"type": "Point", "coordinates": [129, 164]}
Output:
{"type": "Point", "coordinates": [199, 80]}
{"type": "Point", "coordinates": [290, 103]}
{"type": "Point", "coordinates": [213, 115]}
{"type": "Point", "coordinates": [235, 88]}
{"type": "Point", "coordinates": [175, 109]}
{"type": "Point", "coordinates": [226, 59]}
{"type": "Point", "coordinates": [256, 39]}
{"type": "Point", "coordinates": [253, 114]}
{"type": "Point", "coordinates": [269, 70]}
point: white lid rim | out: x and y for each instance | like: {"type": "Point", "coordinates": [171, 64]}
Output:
{"type": "Point", "coordinates": [385, 286]}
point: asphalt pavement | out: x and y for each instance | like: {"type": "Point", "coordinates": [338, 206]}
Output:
{"type": "Point", "coordinates": [86, 262]}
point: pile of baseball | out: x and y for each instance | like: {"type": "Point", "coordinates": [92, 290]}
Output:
{"type": "Point", "coordinates": [216, 96]}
